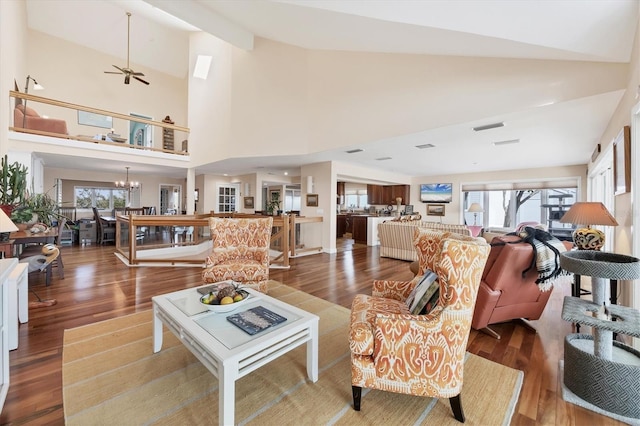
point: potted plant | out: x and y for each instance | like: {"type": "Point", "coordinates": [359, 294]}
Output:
{"type": "Point", "coordinates": [13, 185]}
{"type": "Point", "coordinates": [273, 205]}
{"type": "Point", "coordinates": [43, 206]}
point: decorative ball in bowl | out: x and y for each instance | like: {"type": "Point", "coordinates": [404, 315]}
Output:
{"type": "Point", "coordinates": [216, 302]}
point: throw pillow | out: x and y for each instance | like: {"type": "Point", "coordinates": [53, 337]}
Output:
{"type": "Point", "coordinates": [424, 291]}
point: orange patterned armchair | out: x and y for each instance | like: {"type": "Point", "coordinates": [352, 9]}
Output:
{"type": "Point", "coordinates": [240, 251]}
{"type": "Point", "coordinates": [397, 351]}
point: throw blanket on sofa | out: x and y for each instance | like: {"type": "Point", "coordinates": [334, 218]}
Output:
{"type": "Point", "coordinates": [546, 256]}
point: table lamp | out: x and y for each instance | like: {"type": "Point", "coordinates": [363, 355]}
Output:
{"type": "Point", "coordinates": [6, 226]}
{"type": "Point", "coordinates": [475, 229]}
{"type": "Point", "coordinates": [587, 214]}
{"type": "Point", "coordinates": [475, 208]}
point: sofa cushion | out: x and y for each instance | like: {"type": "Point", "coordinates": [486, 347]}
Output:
{"type": "Point", "coordinates": [28, 111]}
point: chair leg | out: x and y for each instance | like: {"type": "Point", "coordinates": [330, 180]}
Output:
{"type": "Point", "coordinates": [47, 275]}
{"type": "Point", "coordinates": [357, 394]}
{"type": "Point", "coordinates": [490, 332]}
{"type": "Point", "coordinates": [456, 407]}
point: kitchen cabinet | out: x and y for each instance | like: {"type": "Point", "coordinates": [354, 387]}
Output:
{"type": "Point", "coordinates": [341, 193]}
{"type": "Point", "coordinates": [359, 232]}
{"type": "Point", "coordinates": [341, 225]}
{"type": "Point", "coordinates": [400, 191]}
{"type": "Point", "coordinates": [375, 195]}
{"type": "Point", "coordinates": [387, 194]}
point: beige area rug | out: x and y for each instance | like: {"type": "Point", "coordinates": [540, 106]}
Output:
{"type": "Point", "coordinates": [111, 376]}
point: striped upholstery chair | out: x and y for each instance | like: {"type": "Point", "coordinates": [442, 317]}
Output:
{"type": "Point", "coordinates": [396, 351]}
{"type": "Point", "coordinates": [240, 251]}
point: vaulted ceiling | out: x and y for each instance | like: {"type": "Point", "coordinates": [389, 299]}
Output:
{"type": "Point", "coordinates": [554, 133]}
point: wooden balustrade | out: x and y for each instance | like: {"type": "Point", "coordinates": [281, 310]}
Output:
{"type": "Point", "coordinates": [132, 248]}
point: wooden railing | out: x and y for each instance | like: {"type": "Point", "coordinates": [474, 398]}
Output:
{"type": "Point", "coordinates": [76, 107]}
{"type": "Point", "coordinates": [194, 249]}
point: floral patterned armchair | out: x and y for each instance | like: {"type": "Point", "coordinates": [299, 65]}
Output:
{"type": "Point", "coordinates": [394, 350]}
{"type": "Point", "coordinates": [240, 251]}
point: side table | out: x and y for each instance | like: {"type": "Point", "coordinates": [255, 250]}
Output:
{"type": "Point", "coordinates": [6, 248]}
{"type": "Point", "coordinates": [597, 369]}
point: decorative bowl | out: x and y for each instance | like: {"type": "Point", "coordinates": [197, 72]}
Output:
{"type": "Point", "coordinates": [225, 308]}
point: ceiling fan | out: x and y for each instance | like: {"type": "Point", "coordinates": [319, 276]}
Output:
{"type": "Point", "coordinates": [128, 72]}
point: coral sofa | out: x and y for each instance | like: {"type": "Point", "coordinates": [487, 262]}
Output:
{"type": "Point", "coordinates": [396, 237]}
{"type": "Point", "coordinates": [28, 118]}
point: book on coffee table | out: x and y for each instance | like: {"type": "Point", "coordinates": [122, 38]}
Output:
{"type": "Point", "coordinates": [256, 319]}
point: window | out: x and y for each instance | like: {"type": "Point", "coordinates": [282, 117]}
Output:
{"type": "Point", "coordinates": [101, 198]}
{"type": "Point", "coordinates": [356, 200]}
{"type": "Point", "coordinates": [227, 198]}
{"type": "Point", "coordinates": [508, 208]}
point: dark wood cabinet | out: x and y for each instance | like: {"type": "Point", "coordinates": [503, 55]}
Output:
{"type": "Point", "coordinates": [340, 193]}
{"type": "Point", "coordinates": [387, 194]}
{"type": "Point", "coordinates": [374, 194]}
{"type": "Point", "coordinates": [401, 191]}
{"type": "Point", "coordinates": [341, 225]}
{"type": "Point", "coordinates": [359, 232]}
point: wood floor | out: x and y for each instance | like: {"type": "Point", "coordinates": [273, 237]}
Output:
{"type": "Point", "coordinates": [97, 287]}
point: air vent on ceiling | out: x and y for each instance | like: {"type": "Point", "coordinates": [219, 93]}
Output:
{"type": "Point", "coordinates": [425, 145]}
{"type": "Point", "coordinates": [383, 158]}
{"type": "Point", "coordinates": [509, 142]}
{"type": "Point", "coordinates": [488, 126]}
{"type": "Point", "coordinates": [353, 151]}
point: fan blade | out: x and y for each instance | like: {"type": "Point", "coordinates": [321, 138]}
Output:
{"type": "Point", "coordinates": [112, 72]}
{"type": "Point", "coordinates": [117, 67]}
{"type": "Point", "coordinates": [141, 80]}
{"type": "Point", "coordinates": [137, 73]}
{"type": "Point", "coordinates": [126, 78]}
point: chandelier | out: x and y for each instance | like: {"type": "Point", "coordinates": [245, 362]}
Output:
{"type": "Point", "coordinates": [126, 184]}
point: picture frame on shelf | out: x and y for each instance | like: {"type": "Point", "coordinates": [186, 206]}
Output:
{"type": "Point", "coordinates": [248, 203]}
{"type": "Point", "coordinates": [435, 209]}
{"type": "Point", "coordinates": [312, 200]}
{"type": "Point", "coordinates": [622, 162]}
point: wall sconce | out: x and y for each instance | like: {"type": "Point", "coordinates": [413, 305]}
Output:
{"type": "Point", "coordinates": [309, 184]}
{"type": "Point", "coordinates": [196, 195]}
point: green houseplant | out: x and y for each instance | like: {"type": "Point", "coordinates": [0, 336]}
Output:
{"type": "Point", "coordinates": [273, 205]}
{"type": "Point", "coordinates": [43, 206]}
{"type": "Point", "coordinates": [13, 185]}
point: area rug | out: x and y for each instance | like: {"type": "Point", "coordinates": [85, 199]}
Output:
{"type": "Point", "coordinates": [110, 376]}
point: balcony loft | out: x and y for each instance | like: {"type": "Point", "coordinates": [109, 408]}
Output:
{"type": "Point", "coordinates": [83, 131]}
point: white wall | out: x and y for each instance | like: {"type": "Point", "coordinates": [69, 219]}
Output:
{"type": "Point", "coordinates": [13, 41]}
{"type": "Point", "coordinates": [75, 74]}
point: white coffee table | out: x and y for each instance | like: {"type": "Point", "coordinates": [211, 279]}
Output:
{"type": "Point", "coordinates": [224, 349]}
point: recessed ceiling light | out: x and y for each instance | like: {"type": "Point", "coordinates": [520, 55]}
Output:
{"type": "Point", "coordinates": [509, 142]}
{"type": "Point", "coordinates": [286, 173]}
{"type": "Point", "coordinates": [488, 126]}
{"type": "Point", "coordinates": [383, 158]}
{"type": "Point", "coordinates": [353, 151]}
{"type": "Point", "coordinates": [425, 145]}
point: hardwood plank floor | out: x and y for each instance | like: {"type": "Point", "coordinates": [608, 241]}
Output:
{"type": "Point", "coordinates": [97, 287]}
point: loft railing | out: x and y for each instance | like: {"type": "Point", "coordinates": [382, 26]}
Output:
{"type": "Point", "coordinates": [162, 126]}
